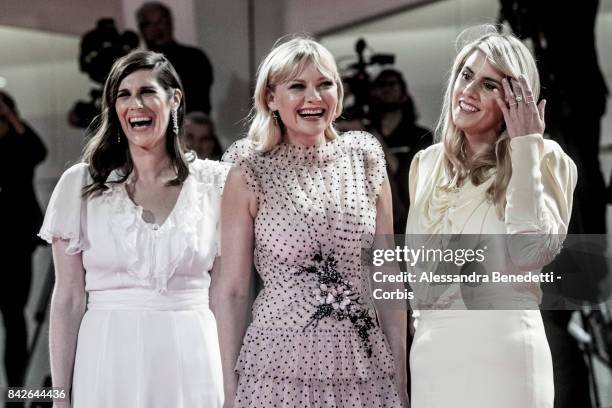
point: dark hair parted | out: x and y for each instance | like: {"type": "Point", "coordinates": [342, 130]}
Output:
{"type": "Point", "coordinates": [108, 148]}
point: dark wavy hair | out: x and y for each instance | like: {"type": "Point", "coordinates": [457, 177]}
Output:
{"type": "Point", "coordinates": [108, 148]}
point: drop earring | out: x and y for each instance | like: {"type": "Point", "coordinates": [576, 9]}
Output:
{"type": "Point", "coordinates": [175, 127]}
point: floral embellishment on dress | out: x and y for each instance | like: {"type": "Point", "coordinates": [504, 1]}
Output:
{"type": "Point", "coordinates": [336, 297]}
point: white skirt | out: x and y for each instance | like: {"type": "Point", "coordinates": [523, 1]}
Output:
{"type": "Point", "coordinates": [140, 349]}
{"type": "Point", "coordinates": [481, 359]}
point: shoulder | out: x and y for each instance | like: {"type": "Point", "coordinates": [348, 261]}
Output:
{"type": "Point", "coordinates": [240, 149]}
{"type": "Point", "coordinates": [360, 141]}
{"type": "Point", "coordinates": [75, 173]}
{"type": "Point", "coordinates": [209, 171]}
{"type": "Point", "coordinates": [425, 161]}
{"type": "Point", "coordinates": [558, 161]}
{"type": "Point", "coordinates": [552, 147]}
{"type": "Point", "coordinates": [72, 181]}
{"type": "Point", "coordinates": [430, 154]}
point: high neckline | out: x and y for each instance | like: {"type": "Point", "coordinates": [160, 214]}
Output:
{"type": "Point", "coordinates": [318, 154]}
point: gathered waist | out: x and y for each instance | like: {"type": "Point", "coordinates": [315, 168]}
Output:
{"type": "Point", "coordinates": [147, 299]}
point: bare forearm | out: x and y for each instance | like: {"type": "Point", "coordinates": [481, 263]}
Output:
{"type": "Point", "coordinates": [394, 324]}
{"type": "Point", "coordinates": [65, 320]}
{"type": "Point", "coordinates": [231, 312]}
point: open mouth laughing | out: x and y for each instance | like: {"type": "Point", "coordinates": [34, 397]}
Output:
{"type": "Point", "coordinates": [311, 113]}
{"type": "Point", "coordinates": [140, 122]}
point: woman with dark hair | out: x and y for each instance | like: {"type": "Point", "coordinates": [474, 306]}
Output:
{"type": "Point", "coordinates": [134, 233]}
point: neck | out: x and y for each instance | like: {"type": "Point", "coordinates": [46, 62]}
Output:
{"type": "Point", "coordinates": [304, 140]}
{"type": "Point", "coordinates": [151, 166]}
{"type": "Point", "coordinates": [479, 143]}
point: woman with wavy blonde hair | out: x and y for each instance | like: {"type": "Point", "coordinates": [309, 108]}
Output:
{"type": "Point", "coordinates": [297, 202]}
{"type": "Point", "coordinates": [492, 173]}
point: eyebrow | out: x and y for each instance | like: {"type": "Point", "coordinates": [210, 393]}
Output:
{"type": "Point", "coordinates": [142, 88]}
{"type": "Point", "coordinates": [485, 78]}
{"type": "Point", "coordinates": [322, 78]}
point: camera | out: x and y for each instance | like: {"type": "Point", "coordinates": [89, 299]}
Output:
{"type": "Point", "coordinates": [358, 81]}
{"type": "Point", "coordinates": [100, 48]}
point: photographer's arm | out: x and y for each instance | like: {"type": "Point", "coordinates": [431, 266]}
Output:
{"type": "Point", "coordinates": [67, 309]}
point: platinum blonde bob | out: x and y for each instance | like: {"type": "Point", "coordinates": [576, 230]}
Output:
{"type": "Point", "coordinates": [286, 60]}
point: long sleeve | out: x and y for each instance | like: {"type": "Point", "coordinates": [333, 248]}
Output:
{"type": "Point", "coordinates": [539, 199]}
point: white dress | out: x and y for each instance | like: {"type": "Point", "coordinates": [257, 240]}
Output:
{"type": "Point", "coordinates": [489, 358]}
{"type": "Point", "coordinates": [148, 338]}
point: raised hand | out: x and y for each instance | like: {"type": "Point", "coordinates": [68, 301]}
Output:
{"type": "Point", "coordinates": [521, 114]}
{"type": "Point", "coordinates": [11, 116]}
{"type": "Point", "coordinates": [4, 109]}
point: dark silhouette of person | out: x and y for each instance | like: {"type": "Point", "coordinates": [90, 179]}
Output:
{"type": "Point", "coordinates": [576, 92]}
{"type": "Point", "coordinates": [394, 123]}
{"type": "Point", "coordinates": [200, 136]}
{"type": "Point", "coordinates": [21, 150]}
{"type": "Point", "coordinates": [192, 65]}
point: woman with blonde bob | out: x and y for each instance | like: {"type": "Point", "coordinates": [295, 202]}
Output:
{"type": "Point", "coordinates": [492, 173]}
{"type": "Point", "coordinates": [296, 204]}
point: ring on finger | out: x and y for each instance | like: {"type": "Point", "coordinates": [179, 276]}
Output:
{"type": "Point", "coordinates": [529, 99]}
{"type": "Point", "coordinates": [519, 98]}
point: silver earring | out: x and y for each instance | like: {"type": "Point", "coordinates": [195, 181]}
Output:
{"type": "Point", "coordinates": [118, 137]}
{"type": "Point", "coordinates": [275, 117]}
{"type": "Point", "coordinates": [175, 127]}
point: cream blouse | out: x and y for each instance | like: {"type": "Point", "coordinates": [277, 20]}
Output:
{"type": "Point", "coordinates": [539, 201]}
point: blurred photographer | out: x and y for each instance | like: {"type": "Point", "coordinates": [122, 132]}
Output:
{"type": "Point", "coordinates": [100, 48]}
{"type": "Point", "coordinates": [393, 122]}
{"type": "Point", "coordinates": [192, 65]}
{"type": "Point", "coordinates": [200, 136]}
{"type": "Point", "coordinates": [21, 150]}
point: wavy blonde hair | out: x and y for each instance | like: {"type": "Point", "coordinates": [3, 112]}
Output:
{"type": "Point", "coordinates": [512, 58]}
{"type": "Point", "coordinates": [287, 59]}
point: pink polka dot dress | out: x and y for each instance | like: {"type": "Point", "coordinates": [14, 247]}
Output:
{"type": "Point", "coordinates": [314, 340]}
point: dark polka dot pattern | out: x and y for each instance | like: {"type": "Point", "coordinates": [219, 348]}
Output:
{"type": "Point", "coordinates": [312, 200]}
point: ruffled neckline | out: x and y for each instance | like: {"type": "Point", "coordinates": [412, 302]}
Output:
{"type": "Point", "coordinates": [445, 211]}
{"type": "Point", "coordinates": [320, 154]}
{"type": "Point", "coordinates": [153, 251]}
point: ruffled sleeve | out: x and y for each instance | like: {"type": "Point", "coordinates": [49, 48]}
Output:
{"type": "Point", "coordinates": [374, 159]}
{"type": "Point", "coordinates": [66, 210]}
{"type": "Point", "coordinates": [539, 197]}
{"type": "Point", "coordinates": [220, 171]}
{"type": "Point", "coordinates": [241, 154]}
